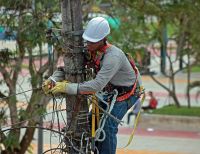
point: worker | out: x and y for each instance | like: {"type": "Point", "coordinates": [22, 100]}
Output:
{"type": "Point", "coordinates": [114, 69]}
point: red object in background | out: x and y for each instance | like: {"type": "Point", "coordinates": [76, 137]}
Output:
{"type": "Point", "coordinates": [153, 103]}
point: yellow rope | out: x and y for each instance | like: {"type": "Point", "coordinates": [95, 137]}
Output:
{"type": "Point", "coordinates": [135, 124]}
{"type": "Point", "coordinates": [93, 117]}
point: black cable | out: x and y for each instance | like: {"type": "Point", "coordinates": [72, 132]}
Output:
{"type": "Point", "coordinates": [6, 97]}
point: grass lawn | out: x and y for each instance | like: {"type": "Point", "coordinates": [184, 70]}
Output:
{"type": "Point", "coordinates": [173, 110]}
{"type": "Point", "coordinates": [194, 69]}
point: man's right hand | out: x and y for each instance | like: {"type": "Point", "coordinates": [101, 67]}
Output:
{"type": "Point", "coordinates": [46, 86]}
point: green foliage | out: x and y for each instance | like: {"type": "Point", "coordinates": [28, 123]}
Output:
{"type": "Point", "coordinates": [5, 56]}
{"type": "Point", "coordinates": [142, 23]}
{"type": "Point", "coordinates": [3, 117]}
{"type": "Point", "coordinates": [182, 111]}
{"type": "Point", "coordinates": [132, 33]}
{"type": "Point", "coordinates": [31, 25]}
{"type": "Point", "coordinates": [23, 114]}
{"type": "Point", "coordinates": [11, 142]}
{"type": "Point", "coordinates": [40, 110]}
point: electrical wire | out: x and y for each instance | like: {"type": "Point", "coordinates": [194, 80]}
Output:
{"type": "Point", "coordinates": [15, 94]}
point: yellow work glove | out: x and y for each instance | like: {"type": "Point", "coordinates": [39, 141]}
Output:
{"type": "Point", "coordinates": [46, 86]}
{"type": "Point", "coordinates": [60, 87]}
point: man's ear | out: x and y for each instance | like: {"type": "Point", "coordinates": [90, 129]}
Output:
{"type": "Point", "coordinates": [105, 41]}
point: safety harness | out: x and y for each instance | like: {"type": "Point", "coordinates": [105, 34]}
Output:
{"type": "Point", "coordinates": [124, 92]}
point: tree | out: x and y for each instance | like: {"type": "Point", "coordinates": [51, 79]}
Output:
{"type": "Point", "coordinates": [74, 66]}
{"type": "Point", "coordinates": [29, 26]}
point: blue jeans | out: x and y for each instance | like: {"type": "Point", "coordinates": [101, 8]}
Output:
{"type": "Point", "coordinates": [109, 145]}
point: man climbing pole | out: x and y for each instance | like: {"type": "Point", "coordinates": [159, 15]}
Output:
{"type": "Point", "coordinates": [114, 71]}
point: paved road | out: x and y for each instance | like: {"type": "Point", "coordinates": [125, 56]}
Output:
{"type": "Point", "coordinates": [159, 142]}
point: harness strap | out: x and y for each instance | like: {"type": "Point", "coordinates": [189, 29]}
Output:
{"type": "Point", "coordinates": [103, 49]}
{"type": "Point", "coordinates": [127, 95]}
{"type": "Point", "coordinates": [100, 57]}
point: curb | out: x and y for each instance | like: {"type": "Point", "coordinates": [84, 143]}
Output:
{"type": "Point", "coordinates": [168, 122]}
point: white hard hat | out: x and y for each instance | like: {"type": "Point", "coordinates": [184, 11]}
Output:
{"type": "Point", "coordinates": [97, 29]}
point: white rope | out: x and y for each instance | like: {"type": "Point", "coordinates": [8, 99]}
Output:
{"type": "Point", "coordinates": [103, 119]}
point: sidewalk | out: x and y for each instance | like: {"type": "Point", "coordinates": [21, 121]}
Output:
{"type": "Point", "coordinates": [158, 142]}
{"type": "Point", "coordinates": [156, 134]}
{"type": "Point", "coordinates": [146, 141]}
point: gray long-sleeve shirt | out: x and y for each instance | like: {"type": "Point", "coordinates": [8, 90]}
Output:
{"type": "Point", "coordinates": [115, 68]}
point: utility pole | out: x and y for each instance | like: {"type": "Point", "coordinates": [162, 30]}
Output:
{"type": "Point", "coordinates": [163, 48]}
{"type": "Point", "coordinates": [73, 60]}
{"type": "Point", "coordinates": [181, 60]}
{"type": "Point", "coordinates": [40, 131]}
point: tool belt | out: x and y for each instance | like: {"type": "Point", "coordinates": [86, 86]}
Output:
{"type": "Point", "coordinates": [124, 92]}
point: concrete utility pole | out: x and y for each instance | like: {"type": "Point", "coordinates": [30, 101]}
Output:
{"type": "Point", "coordinates": [163, 49]}
{"type": "Point", "coordinates": [73, 60]}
